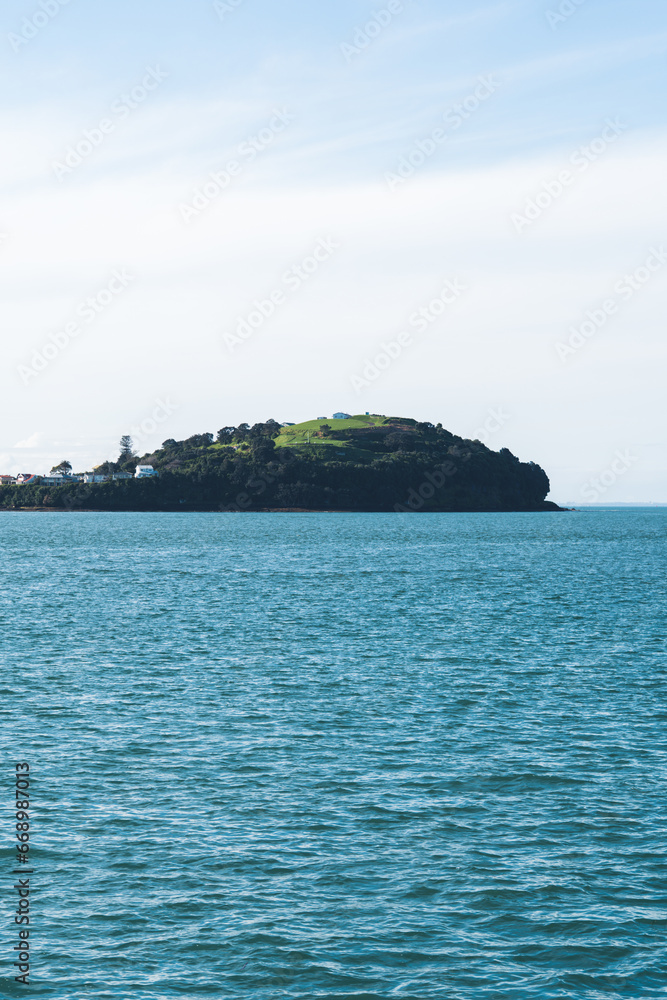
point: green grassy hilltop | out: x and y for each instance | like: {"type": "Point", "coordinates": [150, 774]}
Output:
{"type": "Point", "coordinates": [298, 432]}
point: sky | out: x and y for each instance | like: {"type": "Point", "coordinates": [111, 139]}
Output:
{"type": "Point", "coordinates": [224, 212]}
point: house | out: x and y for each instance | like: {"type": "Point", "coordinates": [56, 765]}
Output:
{"type": "Point", "coordinates": [287, 425]}
{"type": "Point", "coordinates": [342, 416]}
{"type": "Point", "coordinates": [145, 472]}
{"type": "Point", "coordinates": [122, 475]}
{"type": "Point", "coordinates": [91, 477]}
{"type": "Point", "coordinates": [27, 478]}
{"type": "Point", "coordinates": [60, 479]}
{"type": "Point", "coordinates": [7, 481]}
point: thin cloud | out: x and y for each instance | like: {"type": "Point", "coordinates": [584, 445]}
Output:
{"type": "Point", "coordinates": [33, 441]}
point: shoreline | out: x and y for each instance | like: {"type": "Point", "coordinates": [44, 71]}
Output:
{"type": "Point", "coordinates": [271, 510]}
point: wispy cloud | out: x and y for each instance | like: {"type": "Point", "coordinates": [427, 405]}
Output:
{"type": "Point", "coordinates": [33, 441]}
{"type": "Point", "coordinates": [585, 60]}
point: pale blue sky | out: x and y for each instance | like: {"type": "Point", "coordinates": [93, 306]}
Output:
{"type": "Point", "coordinates": [558, 82]}
{"type": "Point", "coordinates": [352, 118]}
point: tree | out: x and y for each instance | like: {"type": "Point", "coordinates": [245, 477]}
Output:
{"type": "Point", "coordinates": [126, 448]}
{"type": "Point", "coordinates": [200, 441]}
{"type": "Point", "coordinates": [263, 449]}
{"type": "Point", "coordinates": [105, 469]}
{"type": "Point", "coordinates": [64, 469]}
{"type": "Point", "coordinates": [272, 428]}
{"type": "Point", "coordinates": [399, 441]}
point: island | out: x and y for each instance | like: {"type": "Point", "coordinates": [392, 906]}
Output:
{"type": "Point", "coordinates": [364, 463]}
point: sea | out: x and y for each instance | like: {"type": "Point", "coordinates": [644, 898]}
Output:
{"type": "Point", "coordinates": [319, 755]}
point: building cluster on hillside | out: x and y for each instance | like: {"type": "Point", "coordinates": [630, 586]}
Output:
{"type": "Point", "coordinates": [336, 416]}
{"type": "Point", "coordinates": [61, 479]}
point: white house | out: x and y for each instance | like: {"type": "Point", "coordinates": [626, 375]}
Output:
{"type": "Point", "coordinates": [24, 478]}
{"type": "Point", "coordinates": [91, 477]}
{"type": "Point", "coordinates": [145, 472]}
{"type": "Point", "coordinates": [60, 479]}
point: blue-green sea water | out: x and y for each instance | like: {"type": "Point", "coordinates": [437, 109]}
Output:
{"type": "Point", "coordinates": [337, 755]}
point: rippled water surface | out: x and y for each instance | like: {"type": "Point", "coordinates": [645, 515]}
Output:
{"type": "Point", "coordinates": [323, 755]}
